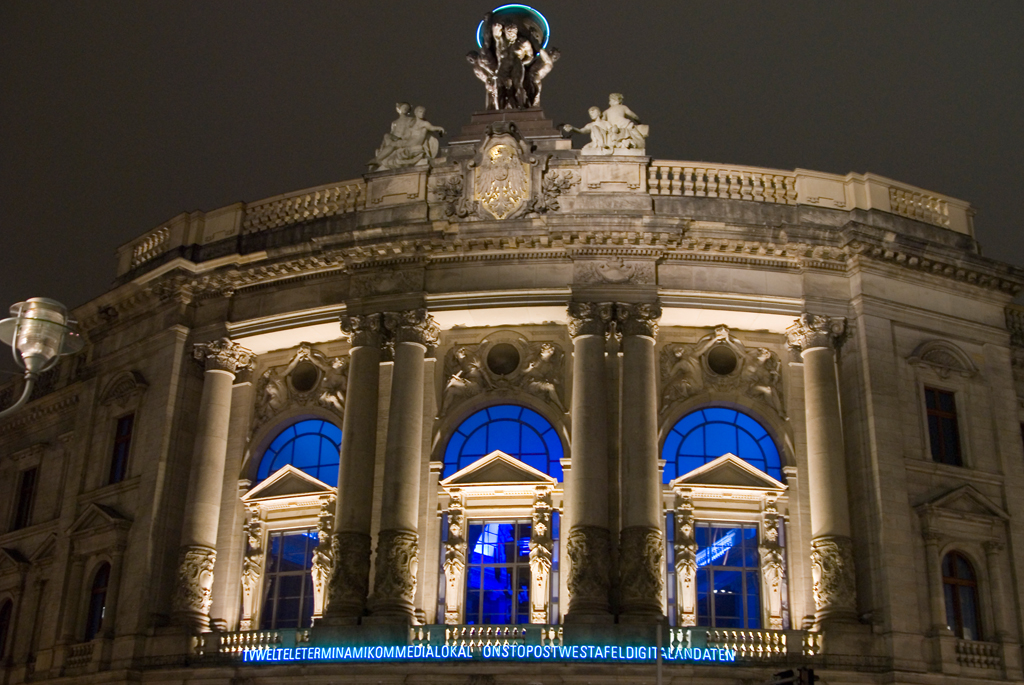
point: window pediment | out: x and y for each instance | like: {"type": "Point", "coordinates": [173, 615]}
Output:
{"type": "Point", "coordinates": [498, 467]}
{"type": "Point", "coordinates": [12, 560]}
{"type": "Point", "coordinates": [963, 502]}
{"type": "Point", "coordinates": [944, 358]}
{"type": "Point", "coordinates": [728, 471]}
{"type": "Point", "coordinates": [98, 518]}
{"type": "Point", "coordinates": [287, 481]}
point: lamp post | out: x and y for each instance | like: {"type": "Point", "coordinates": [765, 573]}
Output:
{"type": "Point", "coordinates": [39, 332]}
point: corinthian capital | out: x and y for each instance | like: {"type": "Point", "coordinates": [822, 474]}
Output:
{"type": "Point", "coordinates": [637, 319]}
{"type": "Point", "coordinates": [815, 330]}
{"type": "Point", "coordinates": [412, 326]}
{"type": "Point", "coordinates": [365, 330]}
{"type": "Point", "coordinates": [589, 318]}
{"type": "Point", "coordinates": [224, 355]}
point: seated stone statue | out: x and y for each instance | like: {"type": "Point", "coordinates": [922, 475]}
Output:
{"type": "Point", "coordinates": [616, 131]}
{"type": "Point", "coordinates": [409, 143]}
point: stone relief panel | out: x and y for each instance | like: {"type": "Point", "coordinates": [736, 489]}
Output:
{"type": "Point", "coordinates": [719, 362]}
{"type": "Point", "coordinates": [503, 367]}
{"type": "Point", "coordinates": [323, 556]}
{"type": "Point", "coordinates": [613, 271]}
{"type": "Point", "coordinates": [310, 378]}
{"type": "Point", "coordinates": [944, 358]}
{"type": "Point", "coordinates": [386, 281]}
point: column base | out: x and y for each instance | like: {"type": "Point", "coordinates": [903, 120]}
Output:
{"type": "Point", "coordinates": [641, 556]}
{"type": "Point", "coordinates": [394, 581]}
{"type": "Point", "coordinates": [350, 581]}
{"type": "Point", "coordinates": [193, 595]}
{"type": "Point", "coordinates": [589, 550]}
{"type": "Point", "coordinates": [835, 591]}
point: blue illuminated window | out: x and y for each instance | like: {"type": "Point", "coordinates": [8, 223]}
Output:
{"type": "Point", "coordinates": [516, 431]}
{"type": "Point", "coordinates": [728, 576]}
{"type": "Point", "coordinates": [312, 446]}
{"type": "Point", "coordinates": [706, 434]}
{"type": "Point", "coordinates": [288, 583]}
{"type": "Point", "coordinates": [498, 572]}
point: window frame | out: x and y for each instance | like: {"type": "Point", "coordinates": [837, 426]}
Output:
{"type": "Point", "coordinates": [930, 451]}
{"type": "Point", "coordinates": [116, 442]}
{"type": "Point", "coordinates": [265, 574]}
{"type": "Point", "coordinates": [90, 631]}
{"type": "Point", "coordinates": [6, 624]}
{"type": "Point", "coordinates": [21, 515]}
{"type": "Point", "coordinates": [957, 624]}
{"type": "Point", "coordinates": [516, 566]}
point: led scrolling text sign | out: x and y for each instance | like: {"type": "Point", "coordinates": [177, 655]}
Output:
{"type": "Point", "coordinates": [588, 653]}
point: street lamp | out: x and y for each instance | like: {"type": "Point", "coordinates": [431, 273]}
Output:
{"type": "Point", "coordinates": [39, 332]}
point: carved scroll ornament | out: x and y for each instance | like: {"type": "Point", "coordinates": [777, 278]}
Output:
{"type": "Point", "coordinates": [195, 580]}
{"type": "Point", "coordinates": [832, 567]}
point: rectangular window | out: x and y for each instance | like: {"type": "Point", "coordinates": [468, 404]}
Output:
{"type": "Point", "coordinates": [498, 572]}
{"type": "Point", "coordinates": [728, 576]}
{"type": "Point", "coordinates": [288, 583]}
{"type": "Point", "coordinates": [943, 432]}
{"type": "Point", "coordinates": [122, 445]}
{"type": "Point", "coordinates": [26, 496]}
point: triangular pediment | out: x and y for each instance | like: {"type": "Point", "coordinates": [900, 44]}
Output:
{"type": "Point", "coordinates": [97, 516]}
{"type": "Point", "coordinates": [287, 481]}
{"type": "Point", "coordinates": [965, 500]}
{"type": "Point", "coordinates": [11, 560]}
{"type": "Point", "coordinates": [497, 467]}
{"type": "Point", "coordinates": [730, 471]}
{"type": "Point", "coordinates": [44, 552]}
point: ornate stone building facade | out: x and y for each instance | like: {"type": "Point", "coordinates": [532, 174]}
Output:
{"type": "Point", "coordinates": [509, 393]}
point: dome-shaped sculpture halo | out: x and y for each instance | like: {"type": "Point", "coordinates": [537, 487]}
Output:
{"type": "Point", "coordinates": [527, 17]}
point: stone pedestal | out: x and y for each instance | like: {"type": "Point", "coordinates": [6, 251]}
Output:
{"type": "Point", "coordinates": [192, 599]}
{"type": "Point", "coordinates": [397, 558]}
{"type": "Point", "coordinates": [641, 544]}
{"type": "Point", "coordinates": [817, 338]}
{"type": "Point", "coordinates": [588, 544]}
{"type": "Point", "coordinates": [350, 582]}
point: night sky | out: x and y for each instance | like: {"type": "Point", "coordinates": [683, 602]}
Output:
{"type": "Point", "coordinates": [116, 116]}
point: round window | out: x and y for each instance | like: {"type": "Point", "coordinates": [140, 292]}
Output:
{"type": "Point", "coordinates": [722, 360]}
{"type": "Point", "coordinates": [503, 359]}
{"type": "Point", "coordinates": [304, 376]}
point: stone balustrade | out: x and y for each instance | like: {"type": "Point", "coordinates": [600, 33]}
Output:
{"type": "Point", "coordinates": [976, 654]}
{"type": "Point", "coordinates": [665, 178]}
{"type": "Point", "coordinates": [304, 205]}
{"type": "Point", "coordinates": [731, 182]}
{"type": "Point", "coordinates": [749, 644]}
{"type": "Point", "coordinates": [814, 188]}
{"type": "Point", "coordinates": [79, 655]}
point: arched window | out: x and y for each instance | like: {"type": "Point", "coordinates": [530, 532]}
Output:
{"type": "Point", "coordinates": [312, 446]}
{"type": "Point", "coordinates": [97, 602]}
{"type": "Point", "coordinates": [960, 586]}
{"type": "Point", "coordinates": [706, 434]}
{"type": "Point", "coordinates": [5, 626]}
{"type": "Point", "coordinates": [516, 431]}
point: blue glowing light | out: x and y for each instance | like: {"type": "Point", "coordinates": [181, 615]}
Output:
{"type": "Point", "coordinates": [540, 18]}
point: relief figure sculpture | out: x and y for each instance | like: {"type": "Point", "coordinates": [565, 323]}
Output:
{"type": "Point", "coordinates": [409, 142]}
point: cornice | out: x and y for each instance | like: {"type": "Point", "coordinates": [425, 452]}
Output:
{"type": "Point", "coordinates": [54, 404]}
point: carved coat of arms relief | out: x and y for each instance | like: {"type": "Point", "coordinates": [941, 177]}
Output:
{"type": "Point", "coordinates": [501, 180]}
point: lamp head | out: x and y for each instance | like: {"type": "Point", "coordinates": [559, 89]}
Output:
{"type": "Point", "coordinates": [39, 331]}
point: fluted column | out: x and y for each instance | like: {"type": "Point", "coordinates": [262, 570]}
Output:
{"type": "Point", "coordinates": [641, 544]}
{"type": "Point", "coordinates": [397, 559]}
{"type": "Point", "coordinates": [588, 544]}
{"type": "Point", "coordinates": [222, 359]}
{"type": "Point", "coordinates": [350, 582]}
{"type": "Point", "coordinates": [817, 338]}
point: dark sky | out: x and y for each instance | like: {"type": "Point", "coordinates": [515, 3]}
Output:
{"type": "Point", "coordinates": [116, 116]}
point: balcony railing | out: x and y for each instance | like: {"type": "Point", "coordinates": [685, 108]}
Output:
{"type": "Point", "coordinates": [79, 655]}
{"type": "Point", "coordinates": [749, 644]}
{"type": "Point", "coordinates": [979, 654]}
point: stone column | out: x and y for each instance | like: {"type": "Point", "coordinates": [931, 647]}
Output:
{"type": "Point", "coordinates": [350, 582]}
{"type": "Point", "coordinates": [641, 544]}
{"type": "Point", "coordinates": [397, 559]}
{"type": "Point", "coordinates": [588, 544]}
{"type": "Point", "coordinates": [222, 360]}
{"type": "Point", "coordinates": [817, 338]}
{"type": "Point", "coordinates": [937, 593]}
{"type": "Point", "coordinates": [113, 591]}
{"type": "Point", "coordinates": [993, 553]}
